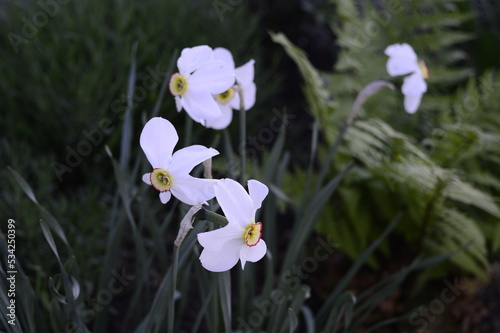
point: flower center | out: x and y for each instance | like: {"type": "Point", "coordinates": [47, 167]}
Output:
{"type": "Point", "coordinates": [226, 96]}
{"type": "Point", "coordinates": [161, 180]}
{"type": "Point", "coordinates": [178, 84]}
{"type": "Point", "coordinates": [423, 69]}
{"type": "Point", "coordinates": [253, 233]}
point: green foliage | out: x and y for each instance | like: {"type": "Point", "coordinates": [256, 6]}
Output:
{"type": "Point", "coordinates": [95, 250]}
{"type": "Point", "coordinates": [437, 167]}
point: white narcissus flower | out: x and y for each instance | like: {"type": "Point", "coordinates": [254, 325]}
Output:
{"type": "Point", "coordinates": [240, 239]}
{"type": "Point", "coordinates": [403, 61]}
{"type": "Point", "coordinates": [229, 100]}
{"type": "Point", "coordinates": [170, 175]}
{"type": "Point", "coordinates": [200, 76]}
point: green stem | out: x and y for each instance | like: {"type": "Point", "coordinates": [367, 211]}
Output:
{"type": "Point", "coordinates": [242, 148]}
{"type": "Point", "coordinates": [331, 155]}
{"type": "Point", "coordinates": [241, 294]}
{"type": "Point", "coordinates": [228, 152]}
{"type": "Point", "coordinates": [188, 130]}
{"type": "Point", "coordinates": [224, 279]}
{"type": "Point", "coordinates": [243, 139]}
{"type": "Point", "coordinates": [171, 308]}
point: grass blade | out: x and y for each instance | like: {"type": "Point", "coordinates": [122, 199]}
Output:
{"type": "Point", "coordinates": [355, 268]}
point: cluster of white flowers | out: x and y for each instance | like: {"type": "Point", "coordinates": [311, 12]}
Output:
{"type": "Point", "coordinates": [208, 87]}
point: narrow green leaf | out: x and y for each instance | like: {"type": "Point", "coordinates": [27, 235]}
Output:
{"type": "Point", "coordinates": [203, 310]}
{"type": "Point", "coordinates": [45, 214]}
{"type": "Point", "coordinates": [224, 279]}
{"type": "Point", "coordinates": [164, 85]}
{"type": "Point", "coordinates": [54, 224]}
{"type": "Point", "coordinates": [308, 319]}
{"type": "Point", "coordinates": [342, 305]}
{"type": "Point", "coordinates": [50, 239]}
{"type": "Point", "coordinates": [293, 321]}
{"type": "Point", "coordinates": [24, 185]}
{"type": "Point", "coordinates": [126, 139]}
{"type": "Point", "coordinates": [309, 218]}
{"type": "Point", "coordinates": [355, 268]}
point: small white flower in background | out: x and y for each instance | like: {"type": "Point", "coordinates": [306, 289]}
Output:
{"type": "Point", "coordinates": [200, 76]}
{"type": "Point", "coordinates": [240, 239]}
{"type": "Point", "coordinates": [403, 61]}
{"type": "Point", "coordinates": [229, 100]}
{"type": "Point", "coordinates": [170, 175]}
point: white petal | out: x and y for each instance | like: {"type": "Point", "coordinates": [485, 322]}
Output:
{"type": "Point", "coordinates": [234, 103]}
{"type": "Point", "coordinates": [414, 84]}
{"type": "Point", "coordinates": [185, 159]}
{"type": "Point", "coordinates": [191, 190]}
{"type": "Point", "coordinates": [222, 260]}
{"type": "Point", "coordinates": [224, 120]}
{"type": "Point", "coordinates": [225, 55]}
{"type": "Point", "coordinates": [245, 73]}
{"type": "Point", "coordinates": [235, 202]}
{"type": "Point", "coordinates": [178, 103]}
{"type": "Point", "coordinates": [258, 192]}
{"type": "Point", "coordinates": [192, 58]}
{"type": "Point", "coordinates": [412, 103]}
{"type": "Point", "coordinates": [165, 196]}
{"type": "Point", "coordinates": [403, 50]}
{"type": "Point", "coordinates": [147, 178]}
{"type": "Point", "coordinates": [215, 76]}
{"type": "Point", "coordinates": [402, 59]}
{"type": "Point", "coordinates": [200, 105]}
{"type": "Point", "coordinates": [158, 139]}
{"type": "Point", "coordinates": [214, 240]}
{"type": "Point", "coordinates": [398, 66]}
{"type": "Point", "coordinates": [249, 92]}
{"type": "Point", "coordinates": [253, 253]}
{"type": "Point", "coordinates": [413, 88]}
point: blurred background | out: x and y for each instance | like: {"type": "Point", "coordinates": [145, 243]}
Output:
{"type": "Point", "coordinates": [65, 72]}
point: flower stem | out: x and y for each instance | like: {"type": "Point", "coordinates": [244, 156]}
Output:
{"type": "Point", "coordinates": [188, 130]}
{"type": "Point", "coordinates": [228, 152]}
{"type": "Point", "coordinates": [171, 308]}
{"type": "Point", "coordinates": [243, 135]}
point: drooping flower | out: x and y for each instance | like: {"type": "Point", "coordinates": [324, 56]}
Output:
{"type": "Point", "coordinates": [403, 61]}
{"type": "Point", "coordinates": [170, 175]}
{"type": "Point", "coordinates": [229, 100]}
{"type": "Point", "coordinates": [200, 76]}
{"type": "Point", "coordinates": [240, 239]}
